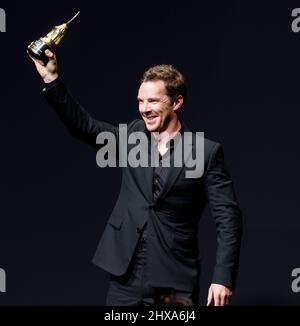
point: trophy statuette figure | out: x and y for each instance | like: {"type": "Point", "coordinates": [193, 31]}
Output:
{"type": "Point", "coordinates": [50, 41]}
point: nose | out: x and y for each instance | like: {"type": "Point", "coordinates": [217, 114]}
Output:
{"type": "Point", "coordinates": [145, 107]}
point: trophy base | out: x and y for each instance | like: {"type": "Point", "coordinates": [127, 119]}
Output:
{"type": "Point", "coordinates": [37, 50]}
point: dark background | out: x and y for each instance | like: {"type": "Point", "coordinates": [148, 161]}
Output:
{"type": "Point", "coordinates": [241, 60]}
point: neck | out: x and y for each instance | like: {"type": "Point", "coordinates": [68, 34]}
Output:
{"type": "Point", "coordinates": [171, 130]}
{"type": "Point", "coordinates": [174, 126]}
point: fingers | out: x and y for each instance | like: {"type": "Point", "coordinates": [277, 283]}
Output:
{"type": "Point", "coordinates": [227, 301]}
{"type": "Point", "coordinates": [36, 61]}
{"type": "Point", "coordinates": [222, 299]}
{"type": "Point", "coordinates": [218, 295]}
{"type": "Point", "coordinates": [217, 301]}
{"type": "Point", "coordinates": [210, 296]}
{"type": "Point", "coordinates": [48, 53]}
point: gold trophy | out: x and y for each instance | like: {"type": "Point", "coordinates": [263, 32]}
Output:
{"type": "Point", "coordinates": [50, 41]}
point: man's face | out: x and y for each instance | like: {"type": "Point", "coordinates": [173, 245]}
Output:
{"type": "Point", "coordinates": [155, 105]}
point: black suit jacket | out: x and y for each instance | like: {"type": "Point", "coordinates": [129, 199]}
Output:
{"type": "Point", "coordinates": [172, 220]}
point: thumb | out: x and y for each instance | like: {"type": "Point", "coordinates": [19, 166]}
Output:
{"type": "Point", "coordinates": [49, 54]}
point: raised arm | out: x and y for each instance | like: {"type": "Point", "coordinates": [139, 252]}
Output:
{"type": "Point", "coordinates": [78, 121]}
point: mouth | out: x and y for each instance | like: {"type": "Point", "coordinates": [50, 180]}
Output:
{"type": "Point", "coordinates": [150, 118]}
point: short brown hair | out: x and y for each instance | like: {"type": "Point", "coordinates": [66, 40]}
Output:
{"type": "Point", "coordinates": [174, 80]}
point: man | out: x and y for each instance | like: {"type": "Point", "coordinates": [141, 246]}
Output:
{"type": "Point", "coordinates": [150, 243]}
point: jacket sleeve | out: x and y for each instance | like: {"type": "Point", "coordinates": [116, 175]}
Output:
{"type": "Point", "coordinates": [228, 218]}
{"type": "Point", "coordinates": [78, 121]}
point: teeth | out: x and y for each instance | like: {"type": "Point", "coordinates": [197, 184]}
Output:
{"type": "Point", "coordinates": [150, 117]}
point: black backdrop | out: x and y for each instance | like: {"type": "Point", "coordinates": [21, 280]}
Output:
{"type": "Point", "coordinates": [241, 62]}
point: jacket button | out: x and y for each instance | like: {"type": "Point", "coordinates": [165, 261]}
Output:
{"type": "Point", "coordinates": [138, 230]}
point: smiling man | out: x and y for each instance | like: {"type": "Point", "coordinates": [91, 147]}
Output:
{"type": "Point", "coordinates": [150, 243]}
{"type": "Point", "coordinates": [158, 109]}
{"type": "Point", "coordinates": [159, 103]}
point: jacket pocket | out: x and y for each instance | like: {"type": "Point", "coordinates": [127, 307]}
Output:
{"type": "Point", "coordinates": [116, 221]}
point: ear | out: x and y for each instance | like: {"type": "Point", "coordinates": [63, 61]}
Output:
{"type": "Point", "coordinates": [177, 104]}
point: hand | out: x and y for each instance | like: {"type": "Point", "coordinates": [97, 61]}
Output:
{"type": "Point", "coordinates": [48, 72]}
{"type": "Point", "coordinates": [218, 295]}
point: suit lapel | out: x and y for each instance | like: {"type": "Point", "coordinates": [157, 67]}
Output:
{"type": "Point", "coordinates": [175, 171]}
{"type": "Point", "coordinates": [145, 174]}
